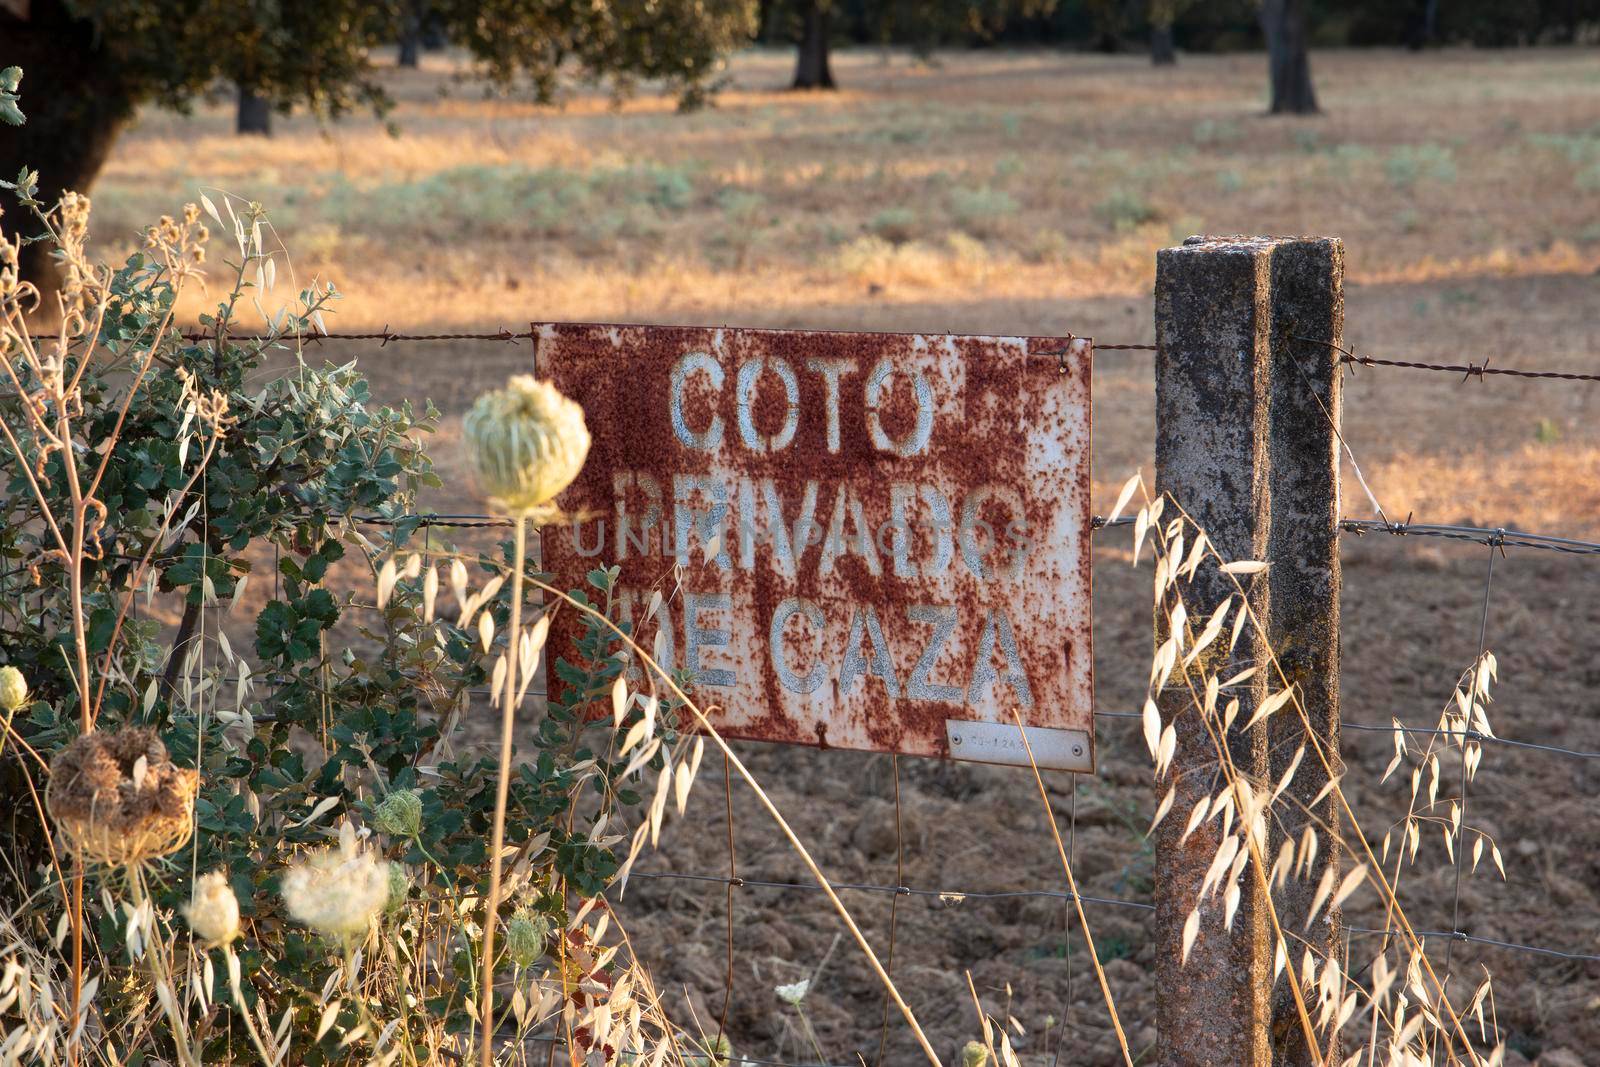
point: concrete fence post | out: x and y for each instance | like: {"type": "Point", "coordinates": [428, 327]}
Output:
{"type": "Point", "coordinates": [1242, 445]}
{"type": "Point", "coordinates": [1307, 312]}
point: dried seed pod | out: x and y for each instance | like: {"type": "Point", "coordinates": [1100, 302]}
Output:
{"type": "Point", "coordinates": [117, 797]}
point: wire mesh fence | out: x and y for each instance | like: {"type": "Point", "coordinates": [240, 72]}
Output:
{"type": "Point", "coordinates": [1497, 542]}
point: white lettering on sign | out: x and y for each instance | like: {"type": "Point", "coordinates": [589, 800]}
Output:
{"type": "Point", "coordinates": [860, 539]}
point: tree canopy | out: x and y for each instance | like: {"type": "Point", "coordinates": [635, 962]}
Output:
{"type": "Point", "coordinates": [91, 63]}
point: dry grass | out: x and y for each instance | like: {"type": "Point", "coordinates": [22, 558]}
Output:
{"type": "Point", "coordinates": [1014, 193]}
{"type": "Point", "coordinates": [1027, 193]}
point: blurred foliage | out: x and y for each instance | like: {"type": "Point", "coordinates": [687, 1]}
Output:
{"type": "Point", "coordinates": [1214, 26]}
{"type": "Point", "coordinates": [94, 62]}
{"type": "Point", "coordinates": [316, 53]}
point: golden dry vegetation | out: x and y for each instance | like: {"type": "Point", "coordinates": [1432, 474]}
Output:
{"type": "Point", "coordinates": [989, 193]}
{"type": "Point", "coordinates": [1028, 192]}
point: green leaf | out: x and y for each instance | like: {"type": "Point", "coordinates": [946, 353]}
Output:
{"type": "Point", "coordinates": [10, 78]}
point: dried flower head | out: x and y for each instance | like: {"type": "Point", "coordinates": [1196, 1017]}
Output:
{"type": "Point", "coordinates": [339, 890]}
{"type": "Point", "coordinates": [795, 992]}
{"type": "Point", "coordinates": [118, 797]}
{"type": "Point", "coordinates": [399, 814]}
{"type": "Point", "coordinates": [528, 443]}
{"type": "Point", "coordinates": [13, 689]}
{"type": "Point", "coordinates": [213, 910]}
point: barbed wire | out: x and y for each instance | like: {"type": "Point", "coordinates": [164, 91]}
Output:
{"type": "Point", "coordinates": [1498, 537]}
{"type": "Point", "coordinates": [736, 1060]}
{"type": "Point", "coordinates": [1476, 736]}
{"type": "Point", "coordinates": [955, 896]}
{"type": "Point", "coordinates": [948, 896]}
{"type": "Point", "coordinates": [1347, 356]}
{"type": "Point", "coordinates": [1495, 539]}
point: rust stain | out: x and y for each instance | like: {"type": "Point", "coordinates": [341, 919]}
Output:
{"type": "Point", "coordinates": [861, 538]}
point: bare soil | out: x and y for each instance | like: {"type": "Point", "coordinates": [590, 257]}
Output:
{"type": "Point", "coordinates": [983, 195]}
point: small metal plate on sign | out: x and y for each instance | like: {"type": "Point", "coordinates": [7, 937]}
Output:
{"type": "Point", "coordinates": [999, 742]}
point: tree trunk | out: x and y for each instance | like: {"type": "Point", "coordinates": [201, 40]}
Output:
{"type": "Point", "coordinates": [411, 34]}
{"type": "Point", "coordinates": [812, 70]}
{"type": "Point", "coordinates": [1162, 51]}
{"type": "Point", "coordinates": [255, 114]}
{"type": "Point", "coordinates": [410, 47]}
{"type": "Point", "coordinates": [1421, 23]}
{"type": "Point", "coordinates": [1284, 23]}
{"type": "Point", "coordinates": [76, 102]}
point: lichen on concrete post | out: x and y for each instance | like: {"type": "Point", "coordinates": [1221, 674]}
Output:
{"type": "Point", "coordinates": [1307, 321]}
{"type": "Point", "coordinates": [1247, 406]}
{"type": "Point", "coordinates": [1213, 404]}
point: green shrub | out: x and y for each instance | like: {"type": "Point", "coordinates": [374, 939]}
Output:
{"type": "Point", "coordinates": [1408, 164]}
{"type": "Point", "coordinates": [978, 211]}
{"type": "Point", "coordinates": [202, 479]}
{"type": "Point", "coordinates": [896, 224]}
{"type": "Point", "coordinates": [1125, 209]}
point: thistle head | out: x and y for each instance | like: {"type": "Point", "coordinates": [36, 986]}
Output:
{"type": "Point", "coordinates": [528, 442]}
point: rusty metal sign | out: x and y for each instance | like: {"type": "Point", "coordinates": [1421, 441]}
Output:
{"type": "Point", "coordinates": [864, 541]}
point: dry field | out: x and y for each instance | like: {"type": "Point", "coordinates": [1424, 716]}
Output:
{"type": "Point", "coordinates": [1028, 193]}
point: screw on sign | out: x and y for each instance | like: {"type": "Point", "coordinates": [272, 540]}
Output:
{"type": "Point", "coordinates": [864, 541]}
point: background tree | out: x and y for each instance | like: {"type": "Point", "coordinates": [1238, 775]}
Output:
{"type": "Point", "coordinates": [812, 69]}
{"type": "Point", "coordinates": [1481, 23]}
{"type": "Point", "coordinates": [1162, 15]}
{"type": "Point", "coordinates": [922, 24]}
{"type": "Point", "coordinates": [1288, 60]}
{"type": "Point", "coordinates": [255, 113]}
{"type": "Point", "coordinates": [92, 63]}
{"type": "Point", "coordinates": [413, 15]}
